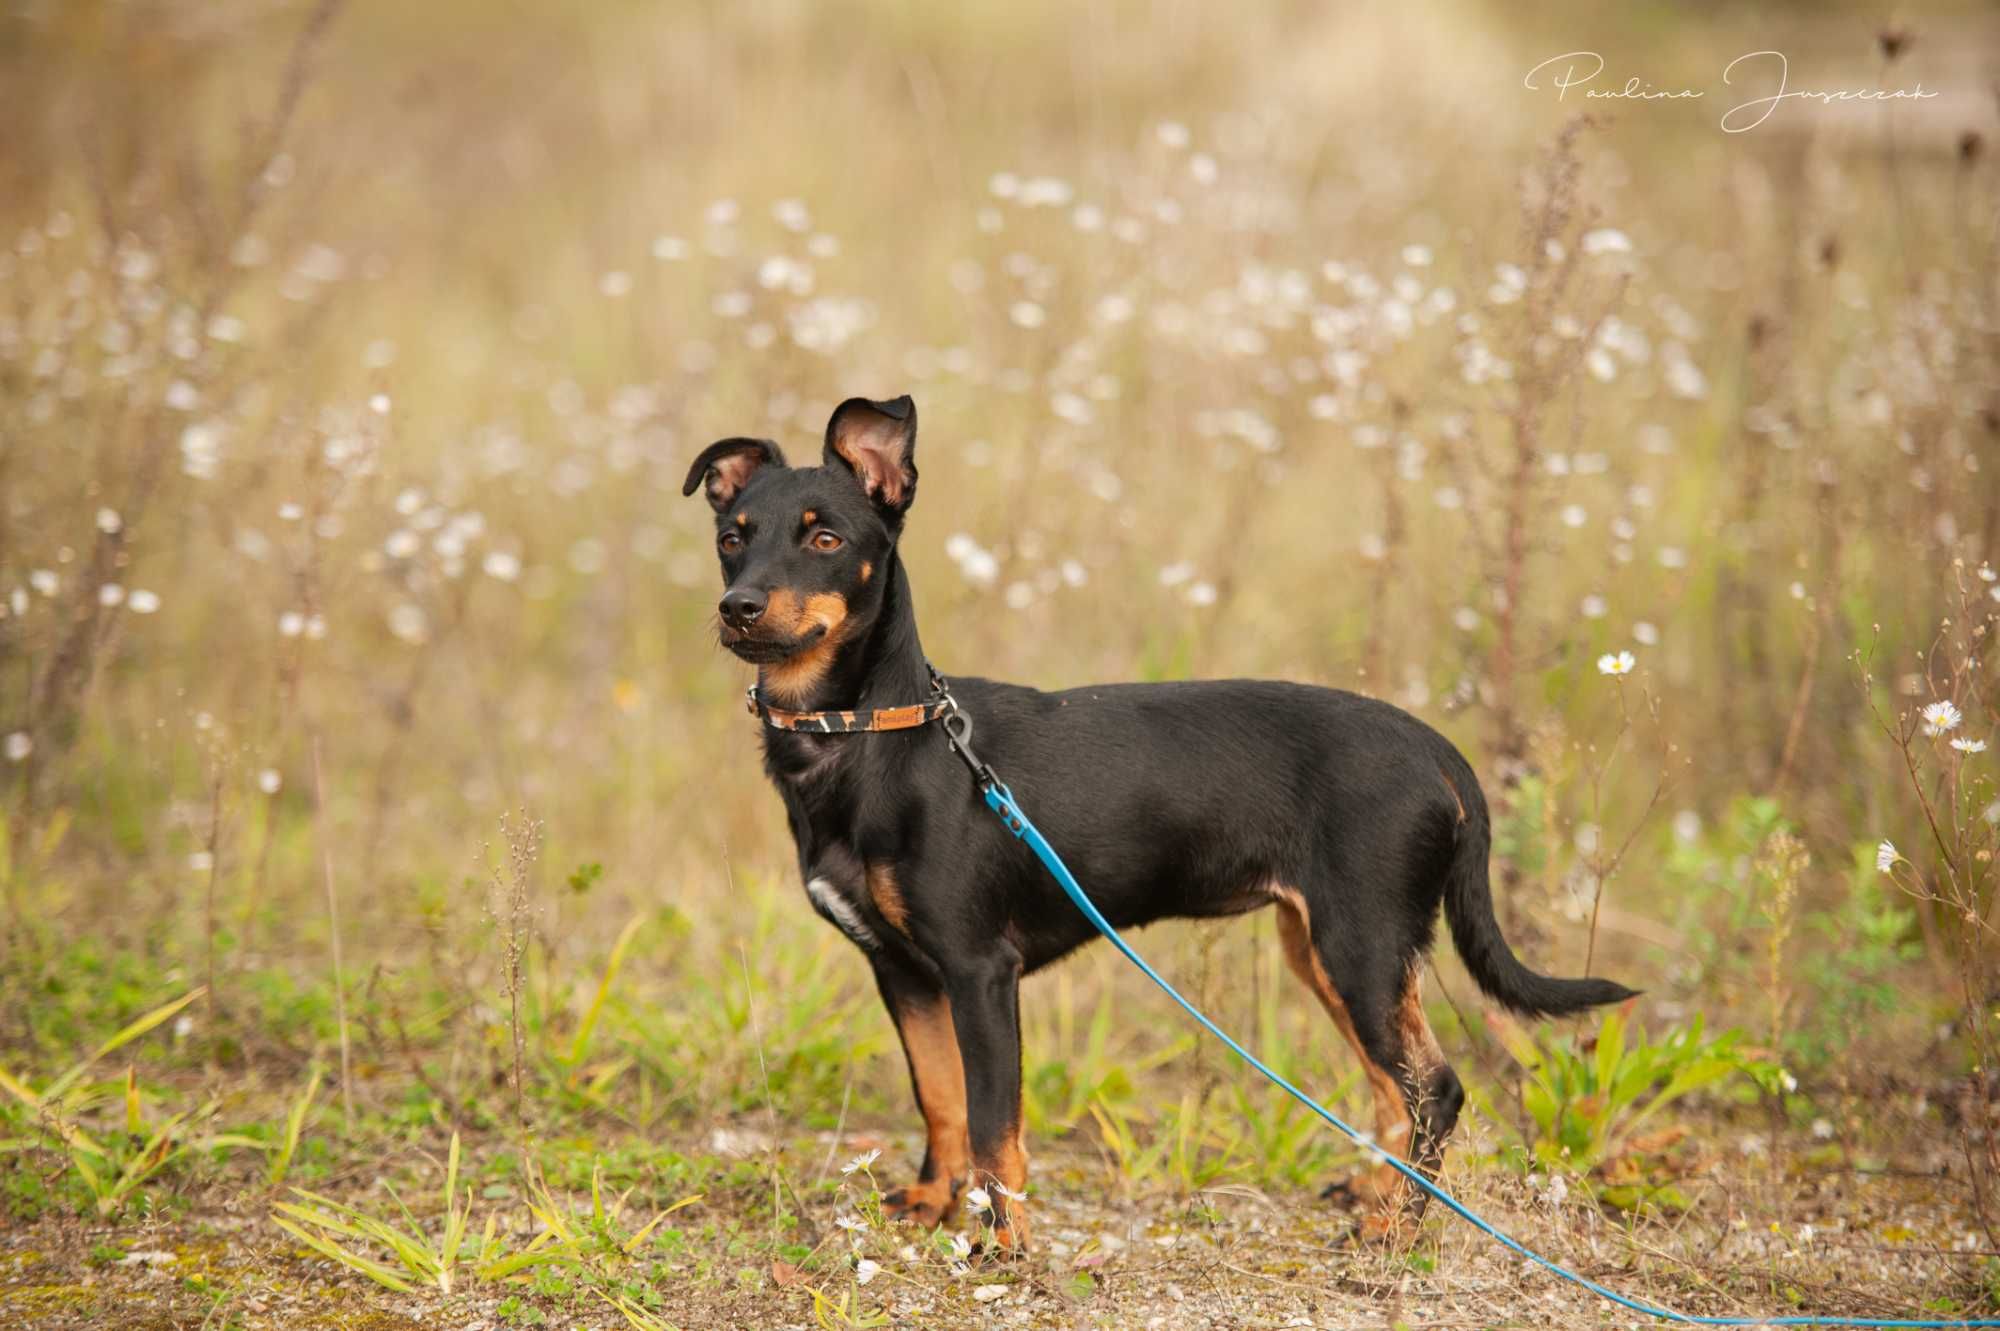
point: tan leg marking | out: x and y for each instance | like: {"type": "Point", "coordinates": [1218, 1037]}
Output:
{"type": "Point", "coordinates": [1008, 1168]}
{"type": "Point", "coordinates": [1385, 1186]}
{"type": "Point", "coordinates": [1455, 797]}
{"type": "Point", "coordinates": [931, 1043]}
{"type": "Point", "coordinates": [888, 897]}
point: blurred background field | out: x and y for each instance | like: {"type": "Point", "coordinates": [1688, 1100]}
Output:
{"type": "Point", "coordinates": [351, 359]}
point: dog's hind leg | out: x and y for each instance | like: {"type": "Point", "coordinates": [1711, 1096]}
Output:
{"type": "Point", "coordinates": [1376, 1004]}
{"type": "Point", "coordinates": [937, 1076]}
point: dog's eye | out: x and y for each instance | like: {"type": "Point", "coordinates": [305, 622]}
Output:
{"type": "Point", "coordinates": [729, 543]}
{"type": "Point", "coordinates": [825, 541]}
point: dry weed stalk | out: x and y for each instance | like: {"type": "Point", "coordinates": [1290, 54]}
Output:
{"type": "Point", "coordinates": [513, 887]}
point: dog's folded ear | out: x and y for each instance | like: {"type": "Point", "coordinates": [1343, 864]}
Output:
{"type": "Point", "coordinates": [727, 466]}
{"type": "Point", "coordinates": [877, 441]}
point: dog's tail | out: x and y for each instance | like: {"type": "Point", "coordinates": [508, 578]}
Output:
{"type": "Point", "coordinates": [1468, 907]}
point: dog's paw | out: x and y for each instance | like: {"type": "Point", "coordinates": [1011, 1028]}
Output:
{"type": "Point", "coordinates": [925, 1204]}
{"type": "Point", "coordinates": [1009, 1243]}
{"type": "Point", "coordinates": [1344, 1193]}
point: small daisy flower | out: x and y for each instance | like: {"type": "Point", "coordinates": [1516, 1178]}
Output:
{"type": "Point", "coordinates": [866, 1270]}
{"type": "Point", "coordinates": [961, 1247]}
{"type": "Point", "coordinates": [1886, 856]}
{"type": "Point", "coordinates": [851, 1223]}
{"type": "Point", "coordinates": [142, 602]}
{"type": "Point", "coordinates": [1009, 1193]}
{"type": "Point", "coordinates": [861, 1162]}
{"type": "Point", "coordinates": [1966, 745]}
{"type": "Point", "coordinates": [979, 1200]}
{"type": "Point", "coordinates": [19, 746]}
{"type": "Point", "coordinates": [1939, 717]}
{"type": "Point", "coordinates": [1616, 663]}
{"type": "Point", "coordinates": [270, 781]}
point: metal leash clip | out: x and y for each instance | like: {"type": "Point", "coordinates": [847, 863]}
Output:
{"type": "Point", "coordinates": [957, 725]}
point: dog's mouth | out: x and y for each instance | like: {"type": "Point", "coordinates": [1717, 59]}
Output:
{"type": "Point", "coordinates": [768, 648]}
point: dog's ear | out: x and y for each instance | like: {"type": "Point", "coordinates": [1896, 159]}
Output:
{"type": "Point", "coordinates": [877, 441]}
{"type": "Point", "coordinates": [727, 466]}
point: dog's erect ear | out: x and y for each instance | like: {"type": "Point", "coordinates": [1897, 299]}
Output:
{"type": "Point", "coordinates": [727, 466]}
{"type": "Point", "coordinates": [877, 441]}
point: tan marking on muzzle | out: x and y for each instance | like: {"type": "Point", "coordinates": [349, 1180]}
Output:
{"type": "Point", "coordinates": [792, 680]}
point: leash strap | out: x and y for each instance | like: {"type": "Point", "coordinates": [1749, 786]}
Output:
{"type": "Point", "coordinates": [1001, 800]}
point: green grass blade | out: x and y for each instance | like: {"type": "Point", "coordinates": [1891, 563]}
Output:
{"type": "Point", "coordinates": [580, 1046]}
{"type": "Point", "coordinates": [374, 1270]}
{"type": "Point", "coordinates": [54, 1090]}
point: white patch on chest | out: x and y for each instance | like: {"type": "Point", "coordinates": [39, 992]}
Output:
{"type": "Point", "coordinates": [841, 911]}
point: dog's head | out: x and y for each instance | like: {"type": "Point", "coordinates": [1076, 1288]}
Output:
{"type": "Point", "coordinates": [804, 550]}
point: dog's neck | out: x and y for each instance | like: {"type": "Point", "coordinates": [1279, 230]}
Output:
{"type": "Point", "coordinates": [882, 666]}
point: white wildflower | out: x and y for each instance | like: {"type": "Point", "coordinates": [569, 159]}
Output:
{"type": "Point", "coordinates": [1941, 716]}
{"type": "Point", "coordinates": [979, 1200]}
{"type": "Point", "coordinates": [110, 594]}
{"type": "Point", "coordinates": [109, 522]}
{"type": "Point", "coordinates": [270, 781]}
{"type": "Point", "coordinates": [201, 450]}
{"type": "Point", "coordinates": [142, 602]}
{"type": "Point", "coordinates": [19, 746]}
{"type": "Point", "coordinates": [409, 623]}
{"type": "Point", "coordinates": [866, 1270]}
{"type": "Point", "coordinates": [861, 1162]}
{"type": "Point", "coordinates": [1886, 856]}
{"type": "Point", "coordinates": [1616, 663]}
{"type": "Point", "coordinates": [1606, 240]}
{"type": "Point", "coordinates": [1965, 744]}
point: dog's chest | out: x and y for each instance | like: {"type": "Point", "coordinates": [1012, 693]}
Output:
{"type": "Point", "coordinates": [846, 907]}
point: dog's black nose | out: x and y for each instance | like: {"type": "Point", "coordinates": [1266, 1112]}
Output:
{"type": "Point", "coordinates": [741, 607]}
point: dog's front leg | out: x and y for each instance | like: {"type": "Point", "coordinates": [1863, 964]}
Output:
{"type": "Point", "coordinates": [930, 1043]}
{"type": "Point", "coordinates": [984, 990]}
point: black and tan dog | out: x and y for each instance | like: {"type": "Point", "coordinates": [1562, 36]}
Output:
{"type": "Point", "coordinates": [1353, 818]}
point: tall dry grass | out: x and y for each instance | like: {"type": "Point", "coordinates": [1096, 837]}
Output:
{"type": "Point", "coordinates": [352, 358]}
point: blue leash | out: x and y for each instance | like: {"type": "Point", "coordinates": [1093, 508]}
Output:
{"type": "Point", "coordinates": [1001, 800]}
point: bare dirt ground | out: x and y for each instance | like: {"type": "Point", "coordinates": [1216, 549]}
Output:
{"type": "Point", "coordinates": [1876, 1243]}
